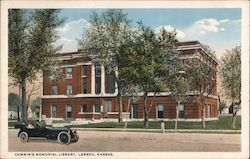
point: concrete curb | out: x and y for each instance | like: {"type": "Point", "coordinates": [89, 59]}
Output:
{"type": "Point", "coordinates": [166, 130]}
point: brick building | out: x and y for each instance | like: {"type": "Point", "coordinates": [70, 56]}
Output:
{"type": "Point", "coordinates": [88, 93]}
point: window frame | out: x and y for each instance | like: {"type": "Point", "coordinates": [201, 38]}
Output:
{"type": "Point", "coordinates": [68, 90]}
{"type": "Point", "coordinates": [85, 70]}
{"type": "Point", "coordinates": [82, 108]}
{"type": "Point", "coordinates": [71, 114]}
{"type": "Point", "coordinates": [99, 109]}
{"type": "Point", "coordinates": [160, 111]}
{"type": "Point", "coordinates": [69, 74]}
{"type": "Point", "coordinates": [110, 83]}
{"type": "Point", "coordinates": [52, 89]}
{"type": "Point", "coordinates": [52, 111]}
{"type": "Point", "coordinates": [181, 111]}
{"type": "Point", "coordinates": [85, 85]}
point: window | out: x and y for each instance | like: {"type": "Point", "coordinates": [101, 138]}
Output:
{"type": "Point", "coordinates": [84, 108]}
{"type": "Point", "coordinates": [85, 70]}
{"type": "Point", "coordinates": [53, 111]}
{"type": "Point", "coordinates": [160, 111]}
{"type": "Point", "coordinates": [181, 64]}
{"type": "Point", "coordinates": [69, 72]}
{"type": "Point", "coordinates": [212, 88]}
{"type": "Point", "coordinates": [135, 111]}
{"type": "Point", "coordinates": [85, 85]}
{"type": "Point", "coordinates": [98, 70]}
{"type": "Point", "coordinates": [208, 111]}
{"type": "Point", "coordinates": [54, 90]}
{"type": "Point", "coordinates": [98, 85]}
{"type": "Point", "coordinates": [110, 84]}
{"type": "Point", "coordinates": [212, 73]}
{"type": "Point", "coordinates": [181, 111]}
{"type": "Point", "coordinates": [69, 89]}
{"type": "Point", "coordinates": [97, 108]}
{"type": "Point", "coordinates": [68, 111]}
{"type": "Point", "coordinates": [85, 79]}
{"type": "Point", "coordinates": [97, 78]}
{"type": "Point", "coordinates": [107, 105]}
{"type": "Point", "coordinates": [208, 88]}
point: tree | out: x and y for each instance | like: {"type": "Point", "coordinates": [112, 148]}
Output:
{"type": "Point", "coordinates": [153, 58]}
{"type": "Point", "coordinates": [14, 103]}
{"type": "Point", "coordinates": [31, 90]}
{"type": "Point", "coordinates": [231, 78]}
{"type": "Point", "coordinates": [31, 37]}
{"type": "Point", "coordinates": [201, 72]}
{"type": "Point", "coordinates": [103, 40]}
{"type": "Point", "coordinates": [179, 88]}
{"type": "Point", "coordinates": [36, 106]}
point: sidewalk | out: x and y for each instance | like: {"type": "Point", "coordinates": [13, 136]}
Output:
{"type": "Point", "coordinates": [159, 130]}
{"type": "Point", "coordinates": [153, 130]}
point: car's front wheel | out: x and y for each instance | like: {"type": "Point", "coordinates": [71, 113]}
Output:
{"type": "Point", "coordinates": [24, 137]}
{"type": "Point", "coordinates": [63, 138]}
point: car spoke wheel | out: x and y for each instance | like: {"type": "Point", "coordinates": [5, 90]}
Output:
{"type": "Point", "coordinates": [23, 136]}
{"type": "Point", "coordinates": [63, 138]}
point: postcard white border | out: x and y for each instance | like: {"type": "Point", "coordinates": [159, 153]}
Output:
{"type": "Point", "coordinates": [244, 5]}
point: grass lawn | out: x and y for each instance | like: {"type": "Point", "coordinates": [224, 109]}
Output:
{"type": "Point", "coordinates": [224, 123]}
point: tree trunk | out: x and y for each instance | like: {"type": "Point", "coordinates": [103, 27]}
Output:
{"type": "Point", "coordinates": [145, 110]}
{"type": "Point", "coordinates": [18, 115]}
{"type": "Point", "coordinates": [203, 111]}
{"type": "Point", "coordinates": [234, 121]}
{"type": "Point", "coordinates": [234, 117]}
{"type": "Point", "coordinates": [24, 106]}
{"type": "Point", "coordinates": [40, 113]}
{"type": "Point", "coordinates": [126, 123]}
{"type": "Point", "coordinates": [177, 116]}
{"type": "Point", "coordinates": [119, 106]}
{"type": "Point", "coordinates": [18, 106]}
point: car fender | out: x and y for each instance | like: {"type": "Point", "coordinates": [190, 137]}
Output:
{"type": "Point", "coordinates": [20, 132]}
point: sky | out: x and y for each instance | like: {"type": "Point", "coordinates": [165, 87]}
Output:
{"type": "Point", "coordinates": [220, 28]}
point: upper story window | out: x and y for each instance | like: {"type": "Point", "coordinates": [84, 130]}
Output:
{"type": "Point", "coordinates": [69, 72]}
{"type": "Point", "coordinates": [98, 70]}
{"type": "Point", "coordinates": [54, 90]}
{"type": "Point", "coordinates": [85, 85]}
{"type": "Point", "coordinates": [110, 84]}
{"type": "Point", "coordinates": [85, 70]}
{"type": "Point", "coordinates": [212, 88]}
{"type": "Point", "coordinates": [69, 89]}
{"type": "Point", "coordinates": [98, 78]}
{"type": "Point", "coordinates": [208, 89]}
{"type": "Point", "coordinates": [181, 64]}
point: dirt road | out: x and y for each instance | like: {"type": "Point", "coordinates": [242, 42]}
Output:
{"type": "Point", "coordinates": [131, 142]}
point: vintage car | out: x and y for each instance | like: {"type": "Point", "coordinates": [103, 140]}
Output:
{"type": "Point", "coordinates": [62, 135]}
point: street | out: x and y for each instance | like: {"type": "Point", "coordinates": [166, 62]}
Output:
{"type": "Point", "coordinates": [131, 142]}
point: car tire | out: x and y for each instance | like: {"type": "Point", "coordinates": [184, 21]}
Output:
{"type": "Point", "coordinates": [24, 137]}
{"type": "Point", "coordinates": [63, 138]}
